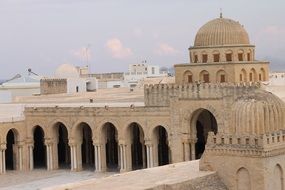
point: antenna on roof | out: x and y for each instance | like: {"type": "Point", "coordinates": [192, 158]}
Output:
{"type": "Point", "coordinates": [221, 13]}
{"type": "Point", "coordinates": [31, 72]}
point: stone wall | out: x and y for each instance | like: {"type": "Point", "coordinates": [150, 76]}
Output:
{"type": "Point", "coordinates": [53, 86]}
{"type": "Point", "coordinates": [160, 94]}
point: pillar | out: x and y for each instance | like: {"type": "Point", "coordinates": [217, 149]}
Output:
{"type": "Point", "coordinates": [98, 160]}
{"type": "Point", "coordinates": [31, 156]}
{"type": "Point", "coordinates": [2, 159]}
{"type": "Point", "coordinates": [149, 153]}
{"type": "Point", "coordinates": [75, 155]}
{"type": "Point", "coordinates": [186, 149]}
{"type": "Point", "coordinates": [20, 155]}
{"type": "Point", "coordinates": [49, 153]}
{"type": "Point", "coordinates": [123, 156]}
{"type": "Point", "coordinates": [192, 146]}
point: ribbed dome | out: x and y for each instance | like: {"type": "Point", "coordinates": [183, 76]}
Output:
{"type": "Point", "coordinates": [258, 113]}
{"type": "Point", "coordinates": [221, 31]}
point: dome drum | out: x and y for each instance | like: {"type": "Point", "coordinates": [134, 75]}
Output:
{"type": "Point", "coordinates": [238, 54]}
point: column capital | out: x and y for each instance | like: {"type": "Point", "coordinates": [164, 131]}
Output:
{"type": "Point", "coordinates": [30, 141]}
{"type": "Point", "coordinates": [3, 146]}
{"type": "Point", "coordinates": [20, 143]}
{"type": "Point", "coordinates": [96, 144]}
{"type": "Point", "coordinates": [72, 142]}
{"type": "Point", "coordinates": [193, 140]}
{"type": "Point", "coordinates": [48, 141]}
{"type": "Point", "coordinates": [95, 141]}
{"type": "Point", "coordinates": [148, 143]}
{"type": "Point", "coordinates": [122, 142]}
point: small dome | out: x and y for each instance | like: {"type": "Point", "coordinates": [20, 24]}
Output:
{"type": "Point", "coordinates": [66, 71]}
{"type": "Point", "coordinates": [221, 31]}
{"type": "Point", "coordinates": [259, 112]}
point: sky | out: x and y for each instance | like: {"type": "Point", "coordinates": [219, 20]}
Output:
{"type": "Point", "coordinates": [108, 35]}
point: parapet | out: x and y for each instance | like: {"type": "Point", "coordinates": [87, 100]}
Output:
{"type": "Point", "coordinates": [246, 145]}
{"type": "Point", "coordinates": [53, 85]}
{"type": "Point", "coordinates": [160, 94]}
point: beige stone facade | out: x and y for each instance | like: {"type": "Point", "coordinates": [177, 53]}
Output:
{"type": "Point", "coordinates": [53, 86]}
{"type": "Point", "coordinates": [235, 127]}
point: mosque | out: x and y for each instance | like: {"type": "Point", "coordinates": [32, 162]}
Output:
{"type": "Point", "coordinates": [216, 111]}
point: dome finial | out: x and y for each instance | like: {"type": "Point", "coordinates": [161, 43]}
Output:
{"type": "Point", "coordinates": [221, 13]}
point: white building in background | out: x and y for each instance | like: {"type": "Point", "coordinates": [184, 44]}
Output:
{"type": "Point", "coordinates": [139, 71]}
{"type": "Point", "coordinates": [69, 79]}
{"type": "Point", "coordinates": [135, 75]}
{"type": "Point", "coordinates": [19, 86]}
{"type": "Point", "coordinates": [276, 84]}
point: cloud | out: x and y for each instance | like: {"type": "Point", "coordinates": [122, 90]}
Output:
{"type": "Point", "coordinates": [83, 53]}
{"type": "Point", "coordinates": [274, 30]}
{"type": "Point", "coordinates": [117, 50]}
{"type": "Point", "coordinates": [138, 32]}
{"type": "Point", "coordinates": [165, 49]}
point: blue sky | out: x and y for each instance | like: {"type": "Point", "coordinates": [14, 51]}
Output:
{"type": "Point", "coordinates": [42, 34]}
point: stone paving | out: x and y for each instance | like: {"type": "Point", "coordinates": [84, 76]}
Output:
{"type": "Point", "coordinates": [185, 175]}
{"type": "Point", "coordinates": [40, 178]}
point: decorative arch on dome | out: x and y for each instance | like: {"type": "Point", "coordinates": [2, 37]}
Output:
{"type": "Point", "coordinates": [195, 58]}
{"type": "Point", "coordinates": [243, 179]}
{"type": "Point", "coordinates": [249, 55]}
{"type": "Point", "coordinates": [243, 76]}
{"type": "Point", "coordinates": [216, 56]}
{"type": "Point", "coordinates": [221, 76]}
{"type": "Point", "coordinates": [204, 76]}
{"type": "Point", "coordinates": [278, 181]}
{"type": "Point", "coordinates": [229, 55]}
{"type": "Point", "coordinates": [262, 74]}
{"type": "Point", "coordinates": [205, 56]}
{"type": "Point", "coordinates": [188, 77]}
{"type": "Point", "coordinates": [240, 55]}
{"type": "Point", "coordinates": [252, 75]}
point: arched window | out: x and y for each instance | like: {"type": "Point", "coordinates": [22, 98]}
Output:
{"type": "Point", "coordinates": [195, 58]}
{"type": "Point", "coordinates": [216, 56]}
{"type": "Point", "coordinates": [252, 75]}
{"type": "Point", "coordinates": [204, 58]}
{"type": "Point", "coordinates": [249, 55]}
{"type": "Point", "coordinates": [205, 76]}
{"type": "Point", "coordinates": [262, 75]}
{"type": "Point", "coordinates": [221, 76]}
{"type": "Point", "coordinates": [240, 55]}
{"type": "Point", "coordinates": [242, 76]}
{"type": "Point", "coordinates": [188, 77]}
{"type": "Point", "coordinates": [229, 55]}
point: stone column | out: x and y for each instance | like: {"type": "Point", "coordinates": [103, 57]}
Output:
{"type": "Point", "coordinates": [2, 159]}
{"type": "Point", "coordinates": [192, 146]}
{"type": "Point", "coordinates": [149, 153]}
{"type": "Point", "coordinates": [1, 162]}
{"type": "Point", "coordinates": [49, 154]}
{"type": "Point", "coordinates": [31, 156]}
{"type": "Point", "coordinates": [20, 155]}
{"type": "Point", "coordinates": [186, 147]}
{"type": "Point", "coordinates": [98, 162]}
{"type": "Point", "coordinates": [73, 155]}
{"type": "Point", "coordinates": [123, 156]}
